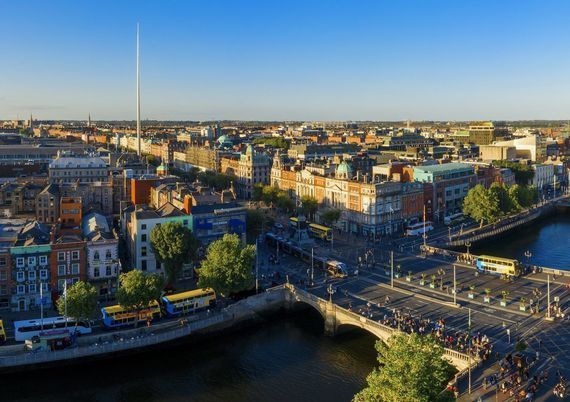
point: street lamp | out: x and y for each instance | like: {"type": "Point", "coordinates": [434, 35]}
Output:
{"type": "Point", "coordinates": [528, 254]}
{"type": "Point", "coordinates": [330, 291]}
{"type": "Point", "coordinates": [468, 245]}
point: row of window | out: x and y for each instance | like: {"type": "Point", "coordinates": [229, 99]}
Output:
{"type": "Point", "coordinates": [43, 260]}
{"type": "Point", "coordinates": [108, 255]}
{"type": "Point", "coordinates": [61, 269]}
{"type": "Point", "coordinates": [61, 255]}
{"type": "Point", "coordinates": [31, 288]}
{"type": "Point", "coordinates": [108, 272]}
{"type": "Point", "coordinates": [21, 275]}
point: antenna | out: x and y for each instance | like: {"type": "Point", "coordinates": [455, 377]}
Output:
{"type": "Point", "coordinates": [138, 95]}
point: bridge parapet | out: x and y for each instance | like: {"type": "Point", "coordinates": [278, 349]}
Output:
{"type": "Point", "coordinates": [336, 316]}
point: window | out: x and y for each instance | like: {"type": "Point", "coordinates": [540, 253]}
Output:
{"type": "Point", "coordinates": [45, 287]}
{"type": "Point", "coordinates": [185, 222]}
{"type": "Point", "coordinates": [143, 238]}
{"type": "Point", "coordinates": [20, 262]}
{"type": "Point", "coordinates": [109, 255]}
{"type": "Point", "coordinates": [43, 274]}
{"type": "Point", "coordinates": [60, 270]}
{"type": "Point", "coordinates": [3, 290]}
{"type": "Point", "coordinates": [32, 288]}
{"type": "Point", "coordinates": [20, 276]}
{"type": "Point", "coordinates": [108, 270]}
{"type": "Point", "coordinates": [3, 275]}
{"type": "Point", "coordinates": [143, 251]}
{"type": "Point", "coordinates": [2, 261]}
{"type": "Point", "coordinates": [96, 273]}
{"type": "Point", "coordinates": [32, 275]}
{"type": "Point", "coordinates": [143, 226]}
{"type": "Point", "coordinates": [61, 256]}
{"type": "Point", "coordinates": [60, 284]}
{"type": "Point", "coordinates": [96, 256]}
{"type": "Point", "coordinates": [75, 268]}
{"type": "Point", "coordinates": [143, 265]}
{"type": "Point", "coordinates": [32, 261]}
{"type": "Point", "coordinates": [43, 260]}
{"type": "Point", "coordinates": [75, 280]}
{"type": "Point", "coordinates": [20, 289]}
{"type": "Point", "coordinates": [75, 255]}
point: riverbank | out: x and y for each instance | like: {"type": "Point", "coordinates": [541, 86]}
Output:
{"type": "Point", "coordinates": [117, 343]}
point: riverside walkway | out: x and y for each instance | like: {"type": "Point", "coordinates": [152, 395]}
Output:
{"type": "Point", "coordinates": [15, 358]}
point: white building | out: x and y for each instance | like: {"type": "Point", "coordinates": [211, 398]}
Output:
{"type": "Point", "coordinates": [139, 223]}
{"type": "Point", "coordinates": [543, 176]}
{"type": "Point", "coordinates": [102, 249]}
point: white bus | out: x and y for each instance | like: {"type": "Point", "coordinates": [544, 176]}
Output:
{"type": "Point", "coordinates": [418, 228]}
{"type": "Point", "coordinates": [27, 329]}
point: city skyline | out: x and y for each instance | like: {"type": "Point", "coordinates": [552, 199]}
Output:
{"type": "Point", "coordinates": [257, 61]}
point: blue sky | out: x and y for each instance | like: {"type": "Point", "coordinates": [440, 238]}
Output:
{"type": "Point", "coordinates": [287, 60]}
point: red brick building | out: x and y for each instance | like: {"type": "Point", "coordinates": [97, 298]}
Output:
{"type": "Point", "coordinates": [68, 261]}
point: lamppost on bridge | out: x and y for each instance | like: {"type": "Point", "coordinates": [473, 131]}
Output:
{"type": "Point", "coordinates": [528, 254]}
{"type": "Point", "coordinates": [468, 245]}
{"type": "Point", "coordinates": [330, 291]}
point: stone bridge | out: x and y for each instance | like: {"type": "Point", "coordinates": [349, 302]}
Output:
{"type": "Point", "coordinates": [336, 317]}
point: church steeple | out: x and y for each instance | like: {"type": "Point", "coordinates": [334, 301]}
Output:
{"type": "Point", "coordinates": [89, 120]}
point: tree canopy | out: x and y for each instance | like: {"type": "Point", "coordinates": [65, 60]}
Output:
{"type": "Point", "coordinates": [228, 265]}
{"type": "Point", "coordinates": [330, 216]}
{"type": "Point", "coordinates": [275, 142]}
{"type": "Point", "coordinates": [254, 222]}
{"type": "Point", "coordinates": [310, 205]}
{"type": "Point", "coordinates": [173, 245]}
{"type": "Point", "coordinates": [81, 301]}
{"type": "Point", "coordinates": [218, 181]}
{"type": "Point", "coordinates": [488, 205]}
{"type": "Point", "coordinates": [138, 289]}
{"type": "Point", "coordinates": [523, 173]}
{"type": "Point", "coordinates": [412, 368]}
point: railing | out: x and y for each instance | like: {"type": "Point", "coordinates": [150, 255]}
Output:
{"type": "Point", "coordinates": [147, 339]}
{"type": "Point", "coordinates": [357, 317]}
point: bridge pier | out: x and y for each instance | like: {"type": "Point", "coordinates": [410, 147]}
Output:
{"type": "Point", "coordinates": [330, 319]}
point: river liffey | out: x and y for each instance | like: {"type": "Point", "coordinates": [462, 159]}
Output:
{"type": "Point", "coordinates": [285, 359]}
{"type": "Point", "coordinates": [548, 241]}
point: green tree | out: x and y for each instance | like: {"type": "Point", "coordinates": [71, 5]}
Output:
{"type": "Point", "coordinates": [482, 205]}
{"type": "Point", "coordinates": [254, 222]}
{"type": "Point", "coordinates": [270, 195]}
{"type": "Point", "coordinates": [81, 301]}
{"type": "Point", "coordinates": [515, 196]}
{"type": "Point", "coordinates": [275, 142]}
{"type": "Point", "coordinates": [412, 368]}
{"type": "Point", "coordinates": [284, 202]}
{"type": "Point", "coordinates": [523, 173]}
{"type": "Point", "coordinates": [227, 267]}
{"type": "Point", "coordinates": [173, 245]}
{"type": "Point", "coordinates": [310, 205]}
{"type": "Point", "coordinates": [506, 204]}
{"type": "Point", "coordinates": [330, 216]}
{"type": "Point", "coordinates": [152, 160]}
{"type": "Point", "coordinates": [257, 192]}
{"type": "Point", "coordinates": [138, 289]}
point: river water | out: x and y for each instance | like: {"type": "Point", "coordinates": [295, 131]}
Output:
{"type": "Point", "coordinates": [548, 240]}
{"type": "Point", "coordinates": [285, 359]}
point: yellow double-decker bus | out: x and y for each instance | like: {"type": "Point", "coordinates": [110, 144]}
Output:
{"type": "Point", "coordinates": [188, 302]}
{"type": "Point", "coordinates": [117, 316]}
{"type": "Point", "coordinates": [498, 265]}
{"type": "Point", "coordinates": [320, 231]}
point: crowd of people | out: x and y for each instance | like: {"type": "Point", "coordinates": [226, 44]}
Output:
{"type": "Point", "coordinates": [477, 344]}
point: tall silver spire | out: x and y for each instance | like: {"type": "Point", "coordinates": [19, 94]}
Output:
{"type": "Point", "coordinates": [138, 96]}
